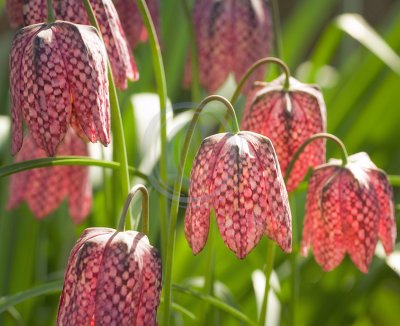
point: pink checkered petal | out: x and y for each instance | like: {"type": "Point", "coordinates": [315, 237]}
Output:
{"type": "Point", "coordinates": [121, 58]}
{"type": "Point", "coordinates": [22, 41]}
{"type": "Point", "coordinates": [240, 195]}
{"type": "Point", "coordinates": [48, 108]}
{"type": "Point", "coordinates": [197, 217]}
{"type": "Point", "coordinates": [34, 11]}
{"type": "Point", "coordinates": [387, 218]}
{"type": "Point", "coordinates": [360, 214]}
{"type": "Point", "coordinates": [212, 22]}
{"type": "Point", "coordinates": [252, 34]}
{"type": "Point", "coordinates": [279, 220]}
{"type": "Point", "coordinates": [328, 239]}
{"type": "Point", "coordinates": [314, 205]}
{"type": "Point", "coordinates": [85, 60]}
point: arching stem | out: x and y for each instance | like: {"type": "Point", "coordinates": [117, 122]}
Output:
{"type": "Point", "coordinates": [277, 29]}
{"type": "Point", "coordinates": [50, 13]}
{"type": "Point", "coordinates": [257, 64]}
{"type": "Point", "coordinates": [310, 140]}
{"type": "Point", "coordinates": [145, 208]}
{"type": "Point", "coordinates": [177, 193]}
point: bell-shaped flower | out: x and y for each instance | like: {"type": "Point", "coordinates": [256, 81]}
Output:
{"type": "Point", "coordinates": [112, 278]}
{"type": "Point", "coordinates": [238, 175]}
{"type": "Point", "coordinates": [58, 74]}
{"type": "Point", "coordinates": [288, 118]}
{"type": "Point", "coordinates": [121, 58]}
{"type": "Point", "coordinates": [44, 189]}
{"type": "Point", "coordinates": [132, 21]}
{"type": "Point", "coordinates": [348, 208]}
{"type": "Point", "coordinates": [28, 12]}
{"type": "Point", "coordinates": [230, 35]}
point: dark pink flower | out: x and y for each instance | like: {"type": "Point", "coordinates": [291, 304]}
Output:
{"type": "Point", "coordinates": [132, 21]}
{"type": "Point", "coordinates": [121, 57]}
{"type": "Point", "coordinates": [28, 12]}
{"type": "Point", "coordinates": [288, 118]}
{"type": "Point", "coordinates": [231, 35]}
{"type": "Point", "coordinates": [112, 278]}
{"type": "Point", "coordinates": [43, 189]}
{"type": "Point", "coordinates": [58, 73]}
{"type": "Point", "coordinates": [239, 176]}
{"type": "Point", "coordinates": [348, 208]}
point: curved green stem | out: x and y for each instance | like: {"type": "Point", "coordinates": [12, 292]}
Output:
{"type": "Point", "coordinates": [195, 87]}
{"type": "Point", "coordinates": [277, 29]}
{"type": "Point", "coordinates": [145, 208]}
{"type": "Point", "coordinates": [257, 64]}
{"type": "Point", "coordinates": [10, 169]}
{"type": "Point", "coordinates": [116, 119]}
{"type": "Point", "coordinates": [310, 140]}
{"type": "Point", "coordinates": [162, 93]}
{"type": "Point", "coordinates": [176, 197]}
{"type": "Point", "coordinates": [269, 264]}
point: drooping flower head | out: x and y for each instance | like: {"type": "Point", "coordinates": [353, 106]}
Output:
{"type": "Point", "coordinates": [231, 35]}
{"type": "Point", "coordinates": [121, 58]}
{"type": "Point", "coordinates": [58, 75]}
{"type": "Point", "coordinates": [132, 21]}
{"type": "Point", "coordinates": [348, 208]}
{"type": "Point", "coordinates": [112, 278]}
{"type": "Point", "coordinates": [43, 189]}
{"type": "Point", "coordinates": [288, 118]}
{"type": "Point", "coordinates": [239, 177]}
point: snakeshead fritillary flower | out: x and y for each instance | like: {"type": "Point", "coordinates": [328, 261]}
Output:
{"type": "Point", "coordinates": [239, 176]}
{"type": "Point", "coordinates": [288, 118]}
{"type": "Point", "coordinates": [58, 75]}
{"type": "Point", "coordinates": [132, 21]}
{"type": "Point", "coordinates": [231, 35]}
{"type": "Point", "coordinates": [44, 189]}
{"type": "Point", "coordinates": [28, 12]}
{"type": "Point", "coordinates": [112, 278]}
{"type": "Point", "coordinates": [347, 209]}
{"type": "Point", "coordinates": [121, 57]}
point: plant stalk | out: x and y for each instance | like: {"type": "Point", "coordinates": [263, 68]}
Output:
{"type": "Point", "coordinates": [269, 264]}
{"type": "Point", "coordinates": [162, 93]}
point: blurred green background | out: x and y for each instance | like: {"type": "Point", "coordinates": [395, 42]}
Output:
{"type": "Point", "coordinates": [353, 57]}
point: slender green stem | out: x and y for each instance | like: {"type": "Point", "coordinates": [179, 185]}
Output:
{"type": "Point", "coordinates": [50, 12]}
{"type": "Point", "coordinates": [209, 271]}
{"type": "Point", "coordinates": [116, 119]}
{"type": "Point", "coordinates": [145, 209]}
{"type": "Point", "coordinates": [162, 93]}
{"type": "Point", "coordinates": [310, 140]}
{"type": "Point", "coordinates": [268, 270]}
{"type": "Point", "coordinates": [257, 64]}
{"type": "Point", "coordinates": [294, 277]}
{"type": "Point", "coordinates": [176, 197]}
{"type": "Point", "coordinates": [196, 90]}
{"type": "Point", "coordinates": [277, 29]}
{"type": "Point", "coordinates": [10, 169]}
